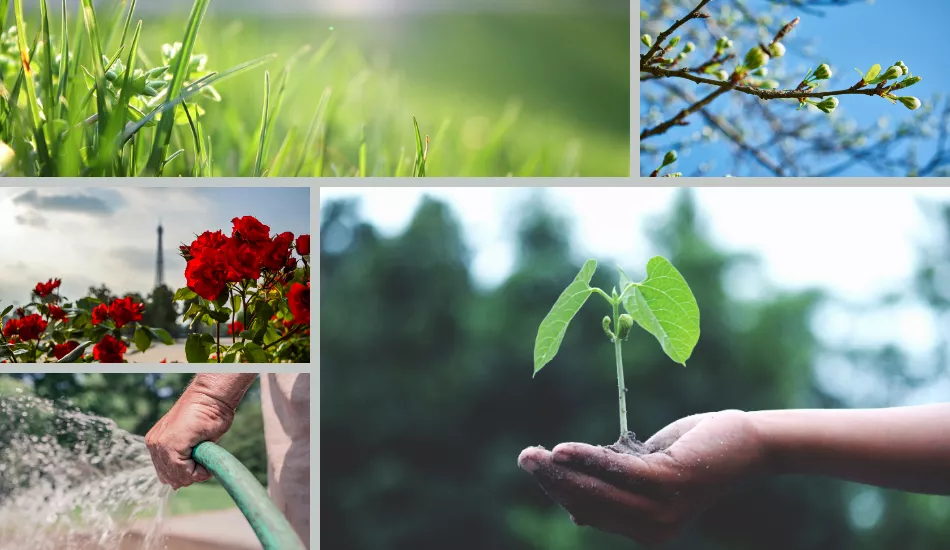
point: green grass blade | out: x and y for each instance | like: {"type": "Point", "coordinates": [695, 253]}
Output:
{"type": "Point", "coordinates": [312, 132]}
{"type": "Point", "coordinates": [63, 64]}
{"type": "Point", "coordinates": [280, 158]}
{"type": "Point", "coordinates": [180, 69]}
{"type": "Point", "coordinates": [422, 151]}
{"type": "Point", "coordinates": [4, 10]}
{"type": "Point", "coordinates": [191, 90]}
{"type": "Point", "coordinates": [196, 136]}
{"type": "Point", "coordinates": [263, 139]}
{"type": "Point", "coordinates": [47, 75]}
{"type": "Point", "coordinates": [118, 121]}
{"type": "Point", "coordinates": [42, 148]}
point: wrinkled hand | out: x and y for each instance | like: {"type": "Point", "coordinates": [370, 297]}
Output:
{"type": "Point", "coordinates": [193, 419]}
{"type": "Point", "coordinates": [649, 498]}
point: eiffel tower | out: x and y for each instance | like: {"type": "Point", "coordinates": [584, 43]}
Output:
{"type": "Point", "coordinates": [160, 264]}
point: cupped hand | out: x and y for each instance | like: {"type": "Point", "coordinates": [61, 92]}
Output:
{"type": "Point", "coordinates": [193, 419]}
{"type": "Point", "coordinates": [650, 497]}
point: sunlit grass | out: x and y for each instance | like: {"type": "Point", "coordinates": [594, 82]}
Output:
{"type": "Point", "coordinates": [517, 95]}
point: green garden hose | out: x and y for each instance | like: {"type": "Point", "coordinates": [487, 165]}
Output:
{"type": "Point", "coordinates": [271, 527]}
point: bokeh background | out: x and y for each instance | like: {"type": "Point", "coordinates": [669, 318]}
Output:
{"type": "Point", "coordinates": [865, 136]}
{"type": "Point", "coordinates": [523, 87]}
{"type": "Point", "coordinates": [430, 304]}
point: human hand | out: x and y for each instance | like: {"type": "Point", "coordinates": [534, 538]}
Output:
{"type": "Point", "coordinates": [650, 497]}
{"type": "Point", "coordinates": [193, 419]}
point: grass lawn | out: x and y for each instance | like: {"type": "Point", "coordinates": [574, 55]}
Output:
{"type": "Point", "coordinates": [201, 497]}
{"type": "Point", "coordinates": [496, 94]}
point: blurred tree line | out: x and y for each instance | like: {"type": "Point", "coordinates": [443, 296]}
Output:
{"type": "Point", "coordinates": [428, 397]}
{"type": "Point", "coordinates": [136, 402]}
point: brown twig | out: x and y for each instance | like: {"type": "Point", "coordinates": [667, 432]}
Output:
{"type": "Point", "coordinates": [679, 119]}
{"type": "Point", "coordinates": [644, 59]}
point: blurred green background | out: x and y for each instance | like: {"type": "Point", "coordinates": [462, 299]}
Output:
{"type": "Point", "coordinates": [427, 396]}
{"type": "Point", "coordinates": [136, 402]}
{"type": "Point", "coordinates": [534, 91]}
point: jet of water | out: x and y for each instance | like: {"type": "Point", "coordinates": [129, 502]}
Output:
{"type": "Point", "coordinates": [74, 481]}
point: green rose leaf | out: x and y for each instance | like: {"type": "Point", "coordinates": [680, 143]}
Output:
{"type": "Point", "coordinates": [552, 329]}
{"type": "Point", "coordinates": [162, 335]}
{"type": "Point", "coordinates": [195, 350]}
{"type": "Point", "coordinates": [142, 339]}
{"type": "Point", "coordinates": [74, 355]}
{"type": "Point", "coordinates": [665, 307]}
{"type": "Point", "coordinates": [254, 353]}
{"type": "Point", "coordinates": [184, 294]}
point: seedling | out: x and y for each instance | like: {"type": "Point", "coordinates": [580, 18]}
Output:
{"type": "Point", "coordinates": [662, 304]}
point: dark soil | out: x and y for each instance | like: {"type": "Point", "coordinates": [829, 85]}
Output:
{"type": "Point", "coordinates": [630, 445]}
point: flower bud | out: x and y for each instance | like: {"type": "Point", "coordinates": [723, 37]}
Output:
{"type": "Point", "coordinates": [910, 102]}
{"type": "Point", "coordinates": [670, 158]}
{"type": "Point", "coordinates": [723, 75]}
{"type": "Point", "coordinates": [647, 40]}
{"type": "Point", "coordinates": [756, 58]}
{"type": "Point", "coordinates": [674, 41]}
{"type": "Point", "coordinates": [626, 323]}
{"type": "Point", "coordinates": [723, 43]}
{"type": "Point", "coordinates": [689, 47]}
{"type": "Point", "coordinates": [828, 104]}
{"type": "Point", "coordinates": [769, 84]}
{"type": "Point", "coordinates": [908, 82]}
{"type": "Point", "coordinates": [777, 49]}
{"type": "Point", "coordinates": [823, 72]}
{"type": "Point", "coordinates": [893, 72]}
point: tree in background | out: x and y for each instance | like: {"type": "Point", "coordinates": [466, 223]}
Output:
{"type": "Point", "coordinates": [720, 66]}
{"type": "Point", "coordinates": [428, 399]}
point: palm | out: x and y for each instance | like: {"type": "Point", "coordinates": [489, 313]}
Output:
{"type": "Point", "coordinates": [649, 497]}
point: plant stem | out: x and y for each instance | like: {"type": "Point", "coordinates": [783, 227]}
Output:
{"type": "Point", "coordinates": [621, 389]}
{"type": "Point", "coordinates": [217, 330]}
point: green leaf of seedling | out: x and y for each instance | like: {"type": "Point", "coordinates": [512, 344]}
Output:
{"type": "Point", "coordinates": [195, 350]}
{"type": "Point", "coordinates": [74, 355]}
{"type": "Point", "coordinates": [254, 353]}
{"type": "Point", "coordinates": [554, 325]}
{"type": "Point", "coordinates": [142, 338]}
{"type": "Point", "coordinates": [665, 307]}
{"type": "Point", "coordinates": [872, 73]}
{"type": "Point", "coordinates": [162, 335]}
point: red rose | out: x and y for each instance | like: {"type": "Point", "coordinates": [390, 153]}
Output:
{"type": "Point", "coordinates": [62, 350]}
{"type": "Point", "coordinates": [20, 312]}
{"type": "Point", "coordinates": [206, 240]}
{"type": "Point", "coordinates": [32, 326]}
{"type": "Point", "coordinates": [207, 273]}
{"type": "Point", "coordinates": [100, 313]}
{"type": "Point", "coordinates": [298, 299]}
{"type": "Point", "coordinates": [45, 289]}
{"type": "Point", "coordinates": [57, 313]}
{"type": "Point", "coordinates": [11, 328]}
{"type": "Point", "coordinates": [303, 245]}
{"type": "Point", "coordinates": [236, 327]}
{"type": "Point", "coordinates": [124, 311]}
{"type": "Point", "coordinates": [109, 350]}
{"type": "Point", "coordinates": [249, 230]}
{"type": "Point", "coordinates": [275, 253]}
{"type": "Point", "coordinates": [244, 262]}
{"type": "Point", "coordinates": [163, 361]}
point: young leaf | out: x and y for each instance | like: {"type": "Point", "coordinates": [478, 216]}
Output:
{"type": "Point", "coordinates": [74, 355]}
{"type": "Point", "coordinates": [665, 307]}
{"type": "Point", "coordinates": [195, 351]}
{"type": "Point", "coordinates": [554, 325]}
{"type": "Point", "coordinates": [162, 335]}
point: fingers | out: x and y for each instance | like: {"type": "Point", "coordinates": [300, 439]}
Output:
{"type": "Point", "coordinates": [595, 502]}
{"type": "Point", "coordinates": [665, 438]}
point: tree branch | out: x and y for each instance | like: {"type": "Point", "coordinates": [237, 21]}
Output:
{"type": "Point", "coordinates": [666, 34]}
{"type": "Point", "coordinates": [679, 119]}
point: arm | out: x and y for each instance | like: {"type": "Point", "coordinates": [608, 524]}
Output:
{"type": "Point", "coordinates": [905, 448]}
{"type": "Point", "coordinates": [694, 461]}
{"type": "Point", "coordinates": [204, 412]}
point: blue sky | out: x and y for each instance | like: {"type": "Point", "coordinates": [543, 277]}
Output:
{"type": "Point", "coordinates": [857, 36]}
{"type": "Point", "coordinates": [90, 236]}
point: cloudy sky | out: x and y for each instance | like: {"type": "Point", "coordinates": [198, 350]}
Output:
{"type": "Point", "coordinates": [91, 236]}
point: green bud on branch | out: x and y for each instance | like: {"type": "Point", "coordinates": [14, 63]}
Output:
{"type": "Point", "coordinates": [669, 159]}
{"type": "Point", "coordinates": [777, 49]}
{"type": "Point", "coordinates": [910, 102]}
{"type": "Point", "coordinates": [823, 72]}
{"type": "Point", "coordinates": [892, 72]}
{"type": "Point", "coordinates": [689, 47]}
{"type": "Point", "coordinates": [674, 41]}
{"type": "Point", "coordinates": [723, 75]}
{"type": "Point", "coordinates": [647, 40]}
{"type": "Point", "coordinates": [827, 105]}
{"type": "Point", "coordinates": [606, 324]}
{"type": "Point", "coordinates": [756, 58]}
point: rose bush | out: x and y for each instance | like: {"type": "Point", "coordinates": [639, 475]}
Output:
{"type": "Point", "coordinates": [53, 329]}
{"type": "Point", "coordinates": [252, 283]}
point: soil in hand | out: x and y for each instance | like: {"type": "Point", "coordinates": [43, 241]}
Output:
{"type": "Point", "coordinates": [630, 445]}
